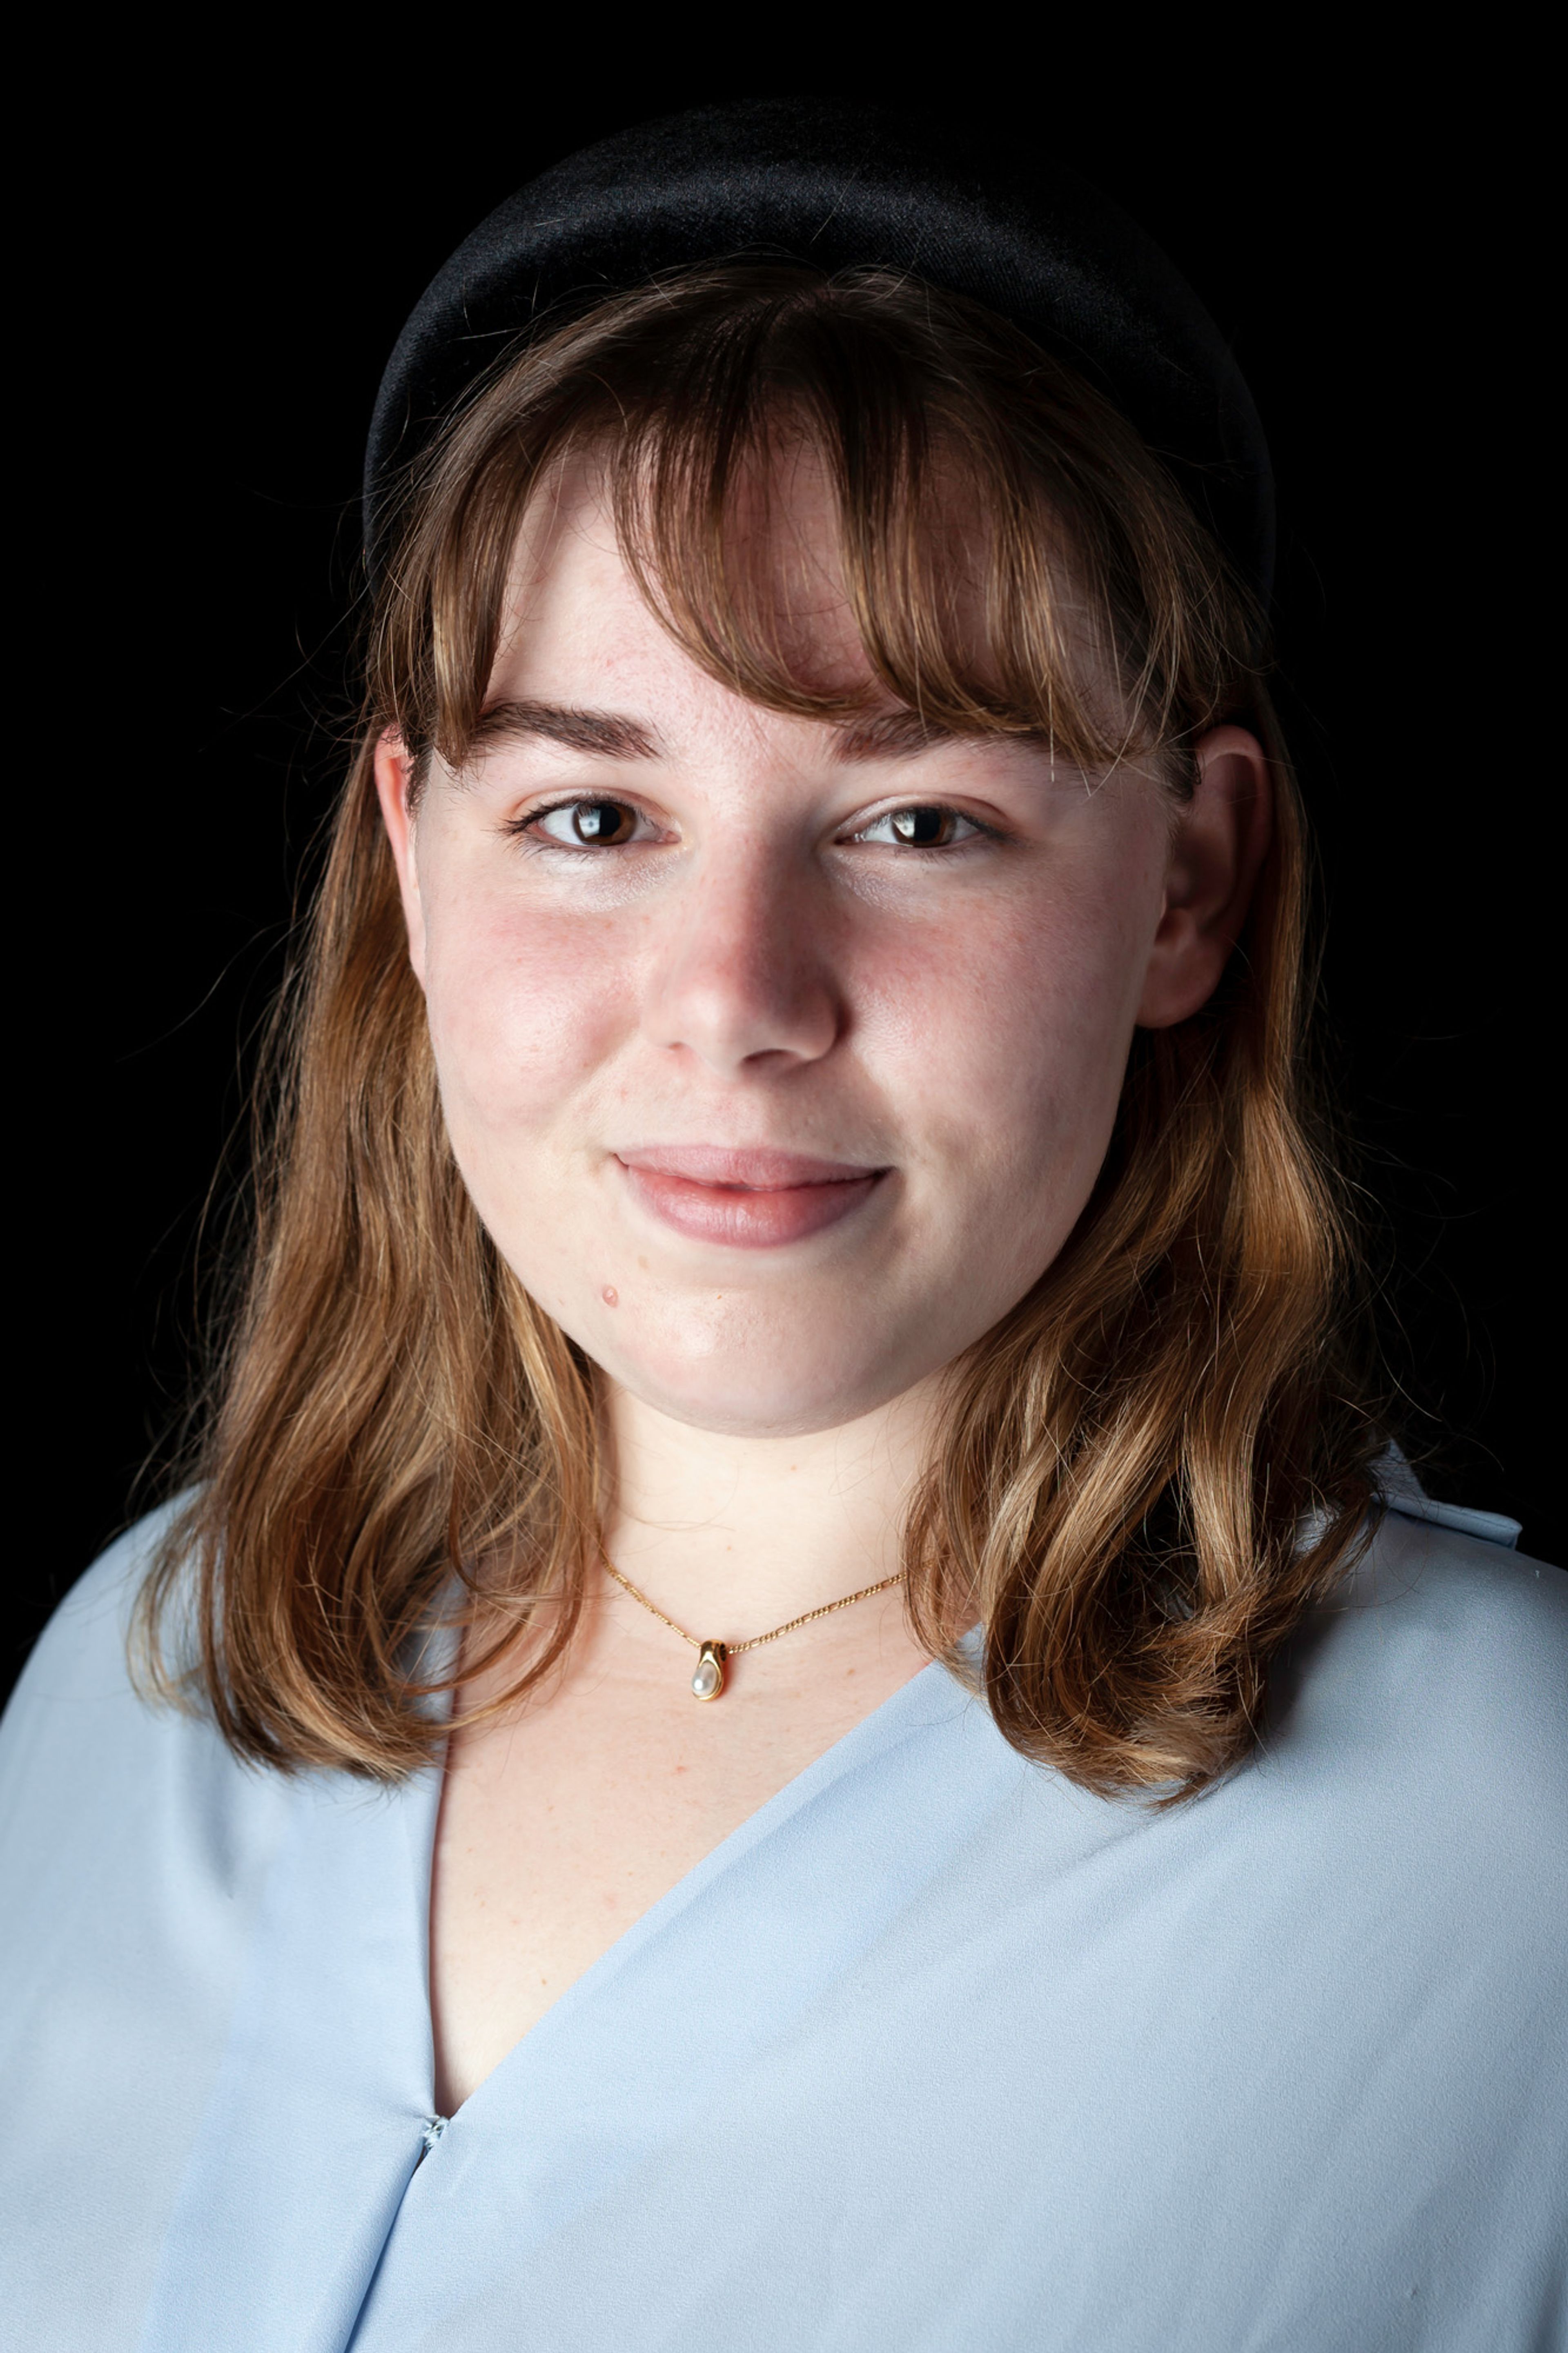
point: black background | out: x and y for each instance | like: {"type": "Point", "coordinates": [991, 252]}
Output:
{"type": "Point", "coordinates": [230, 246]}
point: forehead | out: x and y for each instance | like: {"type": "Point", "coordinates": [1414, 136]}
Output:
{"type": "Point", "coordinates": [784, 589]}
{"type": "Point", "coordinates": [577, 599]}
{"type": "Point", "coordinates": [587, 658]}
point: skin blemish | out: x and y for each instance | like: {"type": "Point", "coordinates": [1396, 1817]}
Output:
{"type": "Point", "coordinates": [609, 1294]}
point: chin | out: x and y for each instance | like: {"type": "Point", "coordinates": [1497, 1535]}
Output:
{"type": "Point", "coordinates": [792, 1387]}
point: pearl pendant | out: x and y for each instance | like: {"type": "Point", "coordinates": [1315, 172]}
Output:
{"type": "Point", "coordinates": [709, 1680]}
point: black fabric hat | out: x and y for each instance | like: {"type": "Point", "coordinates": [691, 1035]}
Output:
{"type": "Point", "coordinates": [835, 186]}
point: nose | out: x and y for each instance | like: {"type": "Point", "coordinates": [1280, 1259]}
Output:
{"type": "Point", "coordinates": [741, 975]}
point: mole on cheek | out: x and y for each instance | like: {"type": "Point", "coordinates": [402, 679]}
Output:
{"type": "Point", "coordinates": [608, 1295]}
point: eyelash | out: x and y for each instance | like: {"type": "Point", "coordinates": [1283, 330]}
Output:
{"type": "Point", "coordinates": [522, 828]}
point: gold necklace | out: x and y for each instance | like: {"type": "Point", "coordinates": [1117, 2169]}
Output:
{"type": "Point", "coordinates": [708, 1681]}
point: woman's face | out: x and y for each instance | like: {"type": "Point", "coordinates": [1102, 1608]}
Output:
{"type": "Point", "coordinates": [779, 1058]}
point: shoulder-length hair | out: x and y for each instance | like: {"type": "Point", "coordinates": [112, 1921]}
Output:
{"type": "Point", "coordinates": [1155, 1463]}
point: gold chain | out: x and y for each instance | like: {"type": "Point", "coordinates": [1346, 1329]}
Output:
{"type": "Point", "coordinates": [733, 1649]}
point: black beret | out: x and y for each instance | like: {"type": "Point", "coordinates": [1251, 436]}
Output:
{"type": "Point", "coordinates": [834, 185]}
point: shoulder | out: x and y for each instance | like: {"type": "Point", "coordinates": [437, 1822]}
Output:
{"type": "Point", "coordinates": [1449, 1609]}
{"type": "Point", "coordinates": [95, 1778]}
{"type": "Point", "coordinates": [1437, 1677]}
{"type": "Point", "coordinates": [80, 1661]}
{"type": "Point", "coordinates": [134, 1850]}
{"type": "Point", "coordinates": [132, 1842]}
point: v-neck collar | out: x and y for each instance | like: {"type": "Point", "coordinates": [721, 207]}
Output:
{"type": "Point", "coordinates": [930, 1696]}
{"type": "Point", "coordinates": [319, 2133]}
{"type": "Point", "coordinates": [729, 1961]}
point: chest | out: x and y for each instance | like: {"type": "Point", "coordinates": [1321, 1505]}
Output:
{"type": "Point", "coordinates": [563, 1822]}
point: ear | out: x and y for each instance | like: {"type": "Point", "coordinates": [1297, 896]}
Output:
{"type": "Point", "coordinates": [394, 776]}
{"type": "Point", "coordinates": [1217, 850]}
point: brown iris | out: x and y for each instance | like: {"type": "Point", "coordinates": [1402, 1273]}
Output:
{"type": "Point", "coordinates": [923, 829]}
{"type": "Point", "coordinates": [603, 823]}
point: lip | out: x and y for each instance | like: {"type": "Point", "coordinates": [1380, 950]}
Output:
{"type": "Point", "coordinates": [750, 1199]}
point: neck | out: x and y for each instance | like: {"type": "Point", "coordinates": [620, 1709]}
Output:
{"type": "Point", "coordinates": [733, 1534]}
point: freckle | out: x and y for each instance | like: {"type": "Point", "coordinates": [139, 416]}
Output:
{"type": "Point", "coordinates": [643, 1264]}
{"type": "Point", "coordinates": [609, 1294]}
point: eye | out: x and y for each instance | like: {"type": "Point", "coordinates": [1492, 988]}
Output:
{"type": "Point", "coordinates": [925, 826]}
{"type": "Point", "coordinates": [587, 825]}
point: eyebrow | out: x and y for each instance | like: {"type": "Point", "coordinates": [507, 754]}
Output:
{"type": "Point", "coordinates": [886, 735]}
{"type": "Point", "coordinates": [899, 734]}
{"type": "Point", "coordinates": [605, 731]}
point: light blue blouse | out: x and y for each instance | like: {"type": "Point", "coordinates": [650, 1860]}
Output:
{"type": "Point", "coordinates": [935, 2054]}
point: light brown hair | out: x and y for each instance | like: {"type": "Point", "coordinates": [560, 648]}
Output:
{"type": "Point", "coordinates": [1157, 1460]}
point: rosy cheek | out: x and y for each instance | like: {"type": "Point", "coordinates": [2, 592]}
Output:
{"type": "Point", "coordinates": [520, 1008]}
{"type": "Point", "coordinates": [991, 1009]}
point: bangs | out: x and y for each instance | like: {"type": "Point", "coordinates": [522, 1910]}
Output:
{"type": "Point", "coordinates": [1012, 557]}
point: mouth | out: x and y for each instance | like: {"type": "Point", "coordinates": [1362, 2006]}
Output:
{"type": "Point", "coordinates": [748, 1199]}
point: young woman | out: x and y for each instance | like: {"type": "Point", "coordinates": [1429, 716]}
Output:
{"type": "Point", "coordinates": [796, 1700]}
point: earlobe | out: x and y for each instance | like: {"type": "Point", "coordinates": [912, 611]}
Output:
{"type": "Point", "coordinates": [394, 776]}
{"type": "Point", "coordinates": [1216, 855]}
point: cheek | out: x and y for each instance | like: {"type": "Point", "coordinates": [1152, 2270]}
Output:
{"type": "Point", "coordinates": [1012, 1039]}
{"type": "Point", "coordinates": [520, 1006]}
